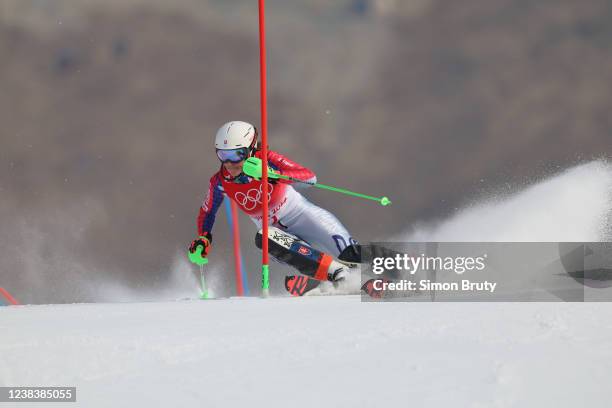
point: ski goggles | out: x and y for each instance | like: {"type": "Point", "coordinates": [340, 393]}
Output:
{"type": "Point", "coordinates": [233, 155]}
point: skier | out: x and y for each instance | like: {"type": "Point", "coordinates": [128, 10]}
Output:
{"type": "Point", "coordinates": [289, 210]}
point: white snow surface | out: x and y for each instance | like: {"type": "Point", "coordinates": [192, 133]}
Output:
{"type": "Point", "coordinates": [316, 351]}
{"type": "Point", "coordinates": [335, 350]}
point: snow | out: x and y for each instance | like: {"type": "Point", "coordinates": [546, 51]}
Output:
{"type": "Point", "coordinates": [336, 350]}
{"type": "Point", "coordinates": [573, 206]}
{"type": "Point", "coordinates": [316, 351]}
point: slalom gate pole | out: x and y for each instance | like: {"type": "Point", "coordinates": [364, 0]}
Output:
{"type": "Point", "coordinates": [265, 270]}
{"type": "Point", "coordinates": [244, 282]}
{"type": "Point", "coordinates": [8, 297]}
{"type": "Point", "coordinates": [232, 220]}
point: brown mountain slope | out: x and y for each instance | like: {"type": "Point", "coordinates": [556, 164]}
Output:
{"type": "Point", "coordinates": [107, 118]}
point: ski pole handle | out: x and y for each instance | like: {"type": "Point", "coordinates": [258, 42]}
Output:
{"type": "Point", "coordinates": [196, 256]}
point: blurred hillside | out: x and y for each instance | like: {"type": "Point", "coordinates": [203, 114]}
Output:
{"type": "Point", "coordinates": [108, 110]}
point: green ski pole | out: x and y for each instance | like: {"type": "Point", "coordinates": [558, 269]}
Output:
{"type": "Point", "coordinates": [384, 201]}
{"type": "Point", "coordinates": [252, 167]}
{"type": "Point", "coordinates": [204, 293]}
{"type": "Point", "coordinates": [197, 258]}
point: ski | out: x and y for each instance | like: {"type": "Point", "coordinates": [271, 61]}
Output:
{"type": "Point", "coordinates": [299, 285]}
{"type": "Point", "coordinates": [368, 288]}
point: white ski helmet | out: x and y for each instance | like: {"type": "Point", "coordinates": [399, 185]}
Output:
{"type": "Point", "coordinates": [235, 134]}
{"type": "Point", "coordinates": [235, 141]}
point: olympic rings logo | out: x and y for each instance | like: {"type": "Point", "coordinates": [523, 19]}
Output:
{"type": "Point", "coordinates": [252, 197]}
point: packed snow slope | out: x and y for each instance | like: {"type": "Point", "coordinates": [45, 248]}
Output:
{"type": "Point", "coordinates": [317, 351]}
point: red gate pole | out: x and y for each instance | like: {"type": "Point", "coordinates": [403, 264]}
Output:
{"type": "Point", "coordinates": [8, 296]}
{"type": "Point", "coordinates": [265, 271]}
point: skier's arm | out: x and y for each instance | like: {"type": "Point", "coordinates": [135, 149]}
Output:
{"type": "Point", "coordinates": [208, 210]}
{"type": "Point", "coordinates": [287, 167]}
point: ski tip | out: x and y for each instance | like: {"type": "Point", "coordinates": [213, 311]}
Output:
{"type": "Point", "coordinates": [298, 285]}
{"type": "Point", "coordinates": [372, 292]}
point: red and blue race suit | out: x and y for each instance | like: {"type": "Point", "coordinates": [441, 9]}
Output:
{"type": "Point", "coordinates": [287, 208]}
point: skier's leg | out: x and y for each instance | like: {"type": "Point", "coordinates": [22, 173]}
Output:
{"type": "Point", "coordinates": [291, 250]}
{"type": "Point", "coordinates": [320, 228]}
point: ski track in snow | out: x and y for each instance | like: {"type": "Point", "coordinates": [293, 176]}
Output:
{"type": "Point", "coordinates": [337, 351]}
{"type": "Point", "coordinates": [327, 351]}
